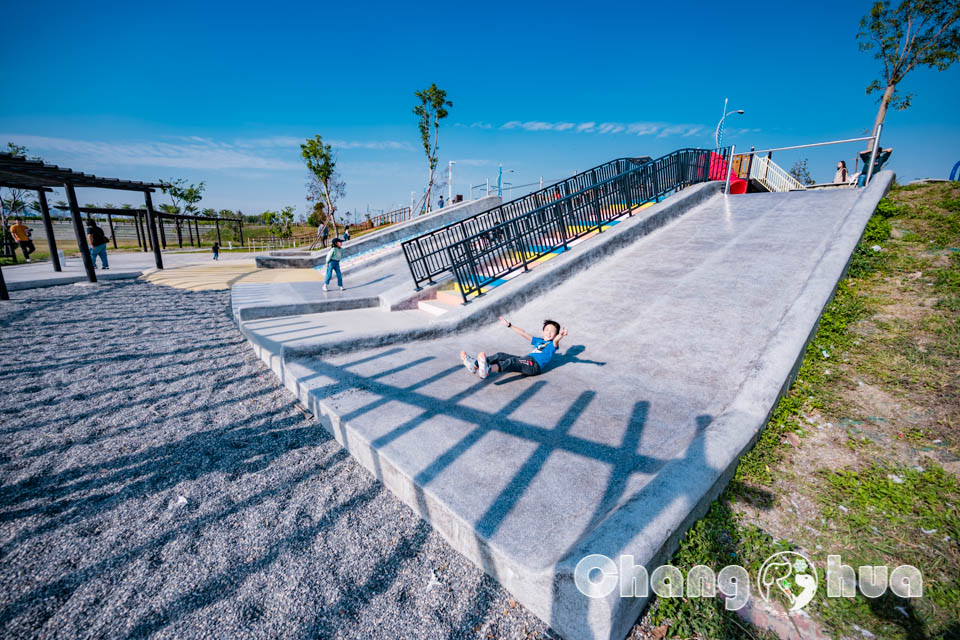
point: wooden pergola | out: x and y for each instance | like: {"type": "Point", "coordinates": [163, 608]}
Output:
{"type": "Point", "coordinates": [18, 172]}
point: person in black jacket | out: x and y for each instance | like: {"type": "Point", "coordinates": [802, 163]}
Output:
{"type": "Point", "coordinates": [98, 244]}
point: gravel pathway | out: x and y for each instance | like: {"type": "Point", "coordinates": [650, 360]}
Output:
{"type": "Point", "coordinates": [155, 480]}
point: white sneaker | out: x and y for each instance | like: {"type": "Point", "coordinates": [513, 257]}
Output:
{"type": "Point", "coordinates": [468, 362]}
{"type": "Point", "coordinates": [482, 368]}
{"type": "Point", "coordinates": [324, 287]}
{"type": "Point", "coordinates": [341, 288]}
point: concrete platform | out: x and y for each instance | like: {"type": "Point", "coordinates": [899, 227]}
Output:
{"type": "Point", "coordinates": [362, 288]}
{"type": "Point", "coordinates": [681, 341]}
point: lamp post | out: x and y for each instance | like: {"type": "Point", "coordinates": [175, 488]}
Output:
{"type": "Point", "coordinates": [500, 181]}
{"type": "Point", "coordinates": [718, 137]}
{"type": "Point", "coordinates": [450, 180]}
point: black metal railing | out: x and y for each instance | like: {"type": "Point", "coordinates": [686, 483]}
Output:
{"type": "Point", "coordinates": [427, 254]}
{"type": "Point", "coordinates": [480, 259]}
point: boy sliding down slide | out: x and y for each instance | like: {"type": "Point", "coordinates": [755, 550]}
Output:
{"type": "Point", "coordinates": [533, 364]}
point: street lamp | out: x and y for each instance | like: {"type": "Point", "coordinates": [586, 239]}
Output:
{"type": "Point", "coordinates": [450, 180]}
{"type": "Point", "coordinates": [500, 181]}
{"type": "Point", "coordinates": [718, 137]}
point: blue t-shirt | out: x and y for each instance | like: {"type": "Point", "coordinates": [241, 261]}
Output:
{"type": "Point", "coordinates": [542, 351]}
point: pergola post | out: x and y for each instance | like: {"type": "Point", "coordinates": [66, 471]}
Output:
{"type": "Point", "coordinates": [189, 230]}
{"type": "Point", "coordinates": [218, 232]}
{"type": "Point", "coordinates": [179, 232]}
{"type": "Point", "coordinates": [4, 295]}
{"type": "Point", "coordinates": [163, 235]}
{"type": "Point", "coordinates": [78, 231]}
{"type": "Point", "coordinates": [241, 232]}
{"type": "Point", "coordinates": [196, 225]}
{"type": "Point", "coordinates": [113, 234]}
{"type": "Point", "coordinates": [152, 226]}
{"type": "Point", "coordinates": [142, 225]}
{"type": "Point", "coordinates": [48, 227]}
{"type": "Point", "coordinates": [136, 227]}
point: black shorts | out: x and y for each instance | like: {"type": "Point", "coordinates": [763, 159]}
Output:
{"type": "Point", "coordinates": [514, 364]}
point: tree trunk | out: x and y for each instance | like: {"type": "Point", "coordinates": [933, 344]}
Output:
{"type": "Point", "coordinates": [426, 203]}
{"type": "Point", "coordinates": [881, 112]}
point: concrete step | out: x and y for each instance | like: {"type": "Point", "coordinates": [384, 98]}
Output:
{"type": "Point", "coordinates": [433, 307]}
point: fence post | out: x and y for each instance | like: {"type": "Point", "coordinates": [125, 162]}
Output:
{"type": "Point", "coordinates": [515, 229]}
{"type": "Point", "coordinates": [558, 210]}
{"type": "Point", "coordinates": [596, 208]}
{"type": "Point", "coordinates": [729, 168]}
{"type": "Point", "coordinates": [873, 156]}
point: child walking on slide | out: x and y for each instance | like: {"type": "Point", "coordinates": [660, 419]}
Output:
{"type": "Point", "coordinates": [531, 365]}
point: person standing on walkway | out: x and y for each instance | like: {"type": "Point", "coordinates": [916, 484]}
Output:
{"type": "Point", "coordinates": [216, 250]}
{"type": "Point", "coordinates": [98, 244]}
{"type": "Point", "coordinates": [21, 233]}
{"type": "Point", "coordinates": [333, 264]}
{"type": "Point", "coordinates": [324, 233]}
{"type": "Point", "coordinates": [841, 177]}
{"type": "Point", "coordinates": [346, 234]}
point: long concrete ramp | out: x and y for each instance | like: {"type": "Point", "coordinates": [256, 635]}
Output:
{"type": "Point", "coordinates": [680, 343]}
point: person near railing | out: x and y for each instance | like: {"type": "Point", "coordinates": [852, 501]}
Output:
{"type": "Point", "coordinates": [882, 156]}
{"type": "Point", "coordinates": [333, 264]}
{"type": "Point", "coordinates": [346, 234]}
{"type": "Point", "coordinates": [531, 365]}
{"type": "Point", "coordinates": [841, 176]}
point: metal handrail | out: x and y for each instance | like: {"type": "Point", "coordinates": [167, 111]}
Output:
{"type": "Point", "coordinates": [426, 254]}
{"type": "Point", "coordinates": [484, 257]}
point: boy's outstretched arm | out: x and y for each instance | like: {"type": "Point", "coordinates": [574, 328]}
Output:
{"type": "Point", "coordinates": [509, 325]}
{"type": "Point", "coordinates": [560, 335]}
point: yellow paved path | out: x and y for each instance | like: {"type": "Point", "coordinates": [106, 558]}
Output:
{"type": "Point", "coordinates": [206, 277]}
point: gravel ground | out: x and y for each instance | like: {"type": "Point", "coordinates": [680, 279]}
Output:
{"type": "Point", "coordinates": [157, 481]}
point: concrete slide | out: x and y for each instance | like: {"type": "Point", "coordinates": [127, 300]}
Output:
{"type": "Point", "coordinates": [681, 338]}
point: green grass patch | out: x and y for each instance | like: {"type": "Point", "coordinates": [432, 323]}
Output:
{"type": "Point", "coordinates": [716, 540]}
{"type": "Point", "coordinates": [892, 516]}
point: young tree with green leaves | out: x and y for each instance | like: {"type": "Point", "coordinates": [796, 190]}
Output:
{"type": "Point", "coordinates": [915, 33]}
{"type": "Point", "coordinates": [431, 110]}
{"type": "Point", "coordinates": [325, 183]}
{"type": "Point", "coordinates": [184, 196]}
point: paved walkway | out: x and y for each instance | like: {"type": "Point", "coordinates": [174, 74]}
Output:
{"type": "Point", "coordinates": [123, 265]}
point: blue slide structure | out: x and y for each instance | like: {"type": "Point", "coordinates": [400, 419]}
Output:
{"type": "Point", "coordinates": [953, 172]}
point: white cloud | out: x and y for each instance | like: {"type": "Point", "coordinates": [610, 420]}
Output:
{"type": "Point", "coordinates": [660, 129]}
{"type": "Point", "coordinates": [280, 153]}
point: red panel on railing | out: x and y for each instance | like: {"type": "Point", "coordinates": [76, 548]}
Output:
{"type": "Point", "coordinates": [718, 171]}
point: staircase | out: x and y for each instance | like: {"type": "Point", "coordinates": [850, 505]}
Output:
{"type": "Point", "coordinates": [446, 300]}
{"type": "Point", "coordinates": [765, 174]}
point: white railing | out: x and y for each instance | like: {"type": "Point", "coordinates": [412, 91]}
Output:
{"type": "Point", "coordinates": [772, 176]}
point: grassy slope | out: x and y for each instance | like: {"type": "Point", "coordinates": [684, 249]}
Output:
{"type": "Point", "coordinates": [874, 419]}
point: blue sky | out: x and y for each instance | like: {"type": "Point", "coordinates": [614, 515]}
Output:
{"type": "Point", "coordinates": [225, 93]}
